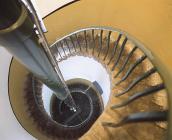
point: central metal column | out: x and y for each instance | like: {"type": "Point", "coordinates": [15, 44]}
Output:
{"type": "Point", "coordinates": [29, 48]}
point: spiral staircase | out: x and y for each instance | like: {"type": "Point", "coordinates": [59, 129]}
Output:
{"type": "Point", "coordinates": [140, 77]}
{"type": "Point", "coordinates": [138, 93]}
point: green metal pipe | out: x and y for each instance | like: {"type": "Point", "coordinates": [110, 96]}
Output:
{"type": "Point", "coordinates": [17, 35]}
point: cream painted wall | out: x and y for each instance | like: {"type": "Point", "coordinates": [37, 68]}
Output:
{"type": "Point", "coordinates": [47, 6]}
